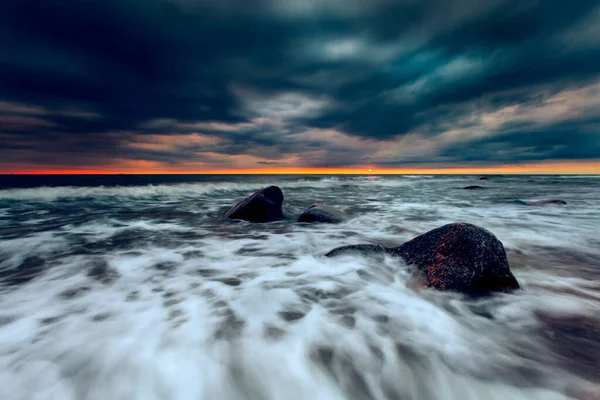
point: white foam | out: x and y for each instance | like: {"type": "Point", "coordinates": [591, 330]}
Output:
{"type": "Point", "coordinates": [179, 326]}
{"type": "Point", "coordinates": [15, 251]}
{"type": "Point", "coordinates": [579, 176]}
{"type": "Point", "coordinates": [137, 352]}
{"type": "Point", "coordinates": [188, 189]}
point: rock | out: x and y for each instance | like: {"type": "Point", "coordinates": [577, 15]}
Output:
{"type": "Point", "coordinates": [539, 202]}
{"type": "Point", "coordinates": [545, 202]}
{"type": "Point", "coordinates": [459, 257]}
{"type": "Point", "coordinates": [483, 178]}
{"type": "Point", "coordinates": [521, 202]}
{"type": "Point", "coordinates": [364, 249]}
{"type": "Point", "coordinates": [474, 187]}
{"type": "Point", "coordinates": [321, 213]}
{"type": "Point", "coordinates": [262, 206]}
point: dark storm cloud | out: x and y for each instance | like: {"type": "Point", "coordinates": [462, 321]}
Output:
{"type": "Point", "coordinates": [329, 82]}
{"type": "Point", "coordinates": [527, 146]}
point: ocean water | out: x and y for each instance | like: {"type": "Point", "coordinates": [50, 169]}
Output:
{"type": "Point", "coordinates": [132, 288]}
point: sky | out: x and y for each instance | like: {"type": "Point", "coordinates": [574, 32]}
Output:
{"type": "Point", "coordinates": [201, 86]}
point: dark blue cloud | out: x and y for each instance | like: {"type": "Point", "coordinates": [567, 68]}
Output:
{"type": "Point", "coordinates": [270, 69]}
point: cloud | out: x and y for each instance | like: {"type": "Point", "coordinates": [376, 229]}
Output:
{"type": "Point", "coordinates": [172, 142]}
{"type": "Point", "coordinates": [22, 123]}
{"type": "Point", "coordinates": [317, 83]}
{"type": "Point", "coordinates": [268, 162]}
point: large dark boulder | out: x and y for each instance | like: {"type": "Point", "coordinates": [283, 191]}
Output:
{"type": "Point", "coordinates": [262, 206]}
{"type": "Point", "coordinates": [459, 257]}
{"type": "Point", "coordinates": [321, 213]}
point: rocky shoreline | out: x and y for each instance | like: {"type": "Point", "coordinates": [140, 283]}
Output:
{"type": "Point", "coordinates": [458, 257]}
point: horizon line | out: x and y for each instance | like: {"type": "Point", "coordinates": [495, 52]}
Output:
{"type": "Point", "coordinates": [275, 174]}
{"type": "Point", "coordinates": [587, 167]}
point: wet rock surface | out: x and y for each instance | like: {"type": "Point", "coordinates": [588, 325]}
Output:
{"type": "Point", "coordinates": [546, 202]}
{"type": "Point", "coordinates": [474, 187]}
{"type": "Point", "coordinates": [321, 213]}
{"type": "Point", "coordinates": [540, 203]}
{"type": "Point", "coordinates": [458, 257]}
{"type": "Point", "coordinates": [263, 205]}
{"type": "Point", "coordinates": [363, 249]}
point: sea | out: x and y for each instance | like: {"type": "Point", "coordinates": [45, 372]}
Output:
{"type": "Point", "coordinates": [133, 287]}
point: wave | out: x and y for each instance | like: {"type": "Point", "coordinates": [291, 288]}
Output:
{"type": "Point", "coordinates": [578, 176]}
{"type": "Point", "coordinates": [177, 190]}
{"type": "Point", "coordinates": [147, 294]}
{"type": "Point", "coordinates": [260, 316]}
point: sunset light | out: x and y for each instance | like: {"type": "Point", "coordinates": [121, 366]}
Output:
{"type": "Point", "coordinates": [299, 199]}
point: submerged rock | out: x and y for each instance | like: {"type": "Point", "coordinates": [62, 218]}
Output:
{"type": "Point", "coordinates": [474, 187]}
{"type": "Point", "coordinates": [321, 213]}
{"type": "Point", "coordinates": [545, 202]}
{"type": "Point", "coordinates": [521, 202]}
{"type": "Point", "coordinates": [364, 249]}
{"type": "Point", "coordinates": [539, 202]}
{"type": "Point", "coordinates": [262, 206]}
{"type": "Point", "coordinates": [459, 257]}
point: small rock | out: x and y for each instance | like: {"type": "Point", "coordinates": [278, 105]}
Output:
{"type": "Point", "coordinates": [474, 187]}
{"type": "Point", "coordinates": [321, 213]}
{"type": "Point", "coordinates": [364, 249]}
{"type": "Point", "coordinates": [539, 202]}
{"type": "Point", "coordinates": [546, 202]}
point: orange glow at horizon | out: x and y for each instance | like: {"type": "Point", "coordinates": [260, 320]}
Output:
{"type": "Point", "coordinates": [541, 168]}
